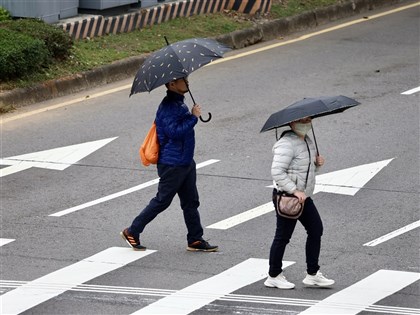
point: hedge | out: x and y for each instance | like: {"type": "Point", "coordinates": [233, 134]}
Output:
{"type": "Point", "coordinates": [20, 54]}
{"type": "Point", "coordinates": [4, 14]}
{"type": "Point", "coordinates": [58, 42]}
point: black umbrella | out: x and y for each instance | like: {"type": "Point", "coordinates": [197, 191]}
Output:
{"type": "Point", "coordinates": [176, 61]}
{"type": "Point", "coordinates": [309, 107]}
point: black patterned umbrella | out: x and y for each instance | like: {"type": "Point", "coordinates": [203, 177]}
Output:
{"type": "Point", "coordinates": [176, 61]}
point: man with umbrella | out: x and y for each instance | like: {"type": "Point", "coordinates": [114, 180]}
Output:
{"type": "Point", "coordinates": [176, 169]}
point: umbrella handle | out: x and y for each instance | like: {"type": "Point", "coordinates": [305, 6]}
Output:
{"type": "Point", "coordinates": [192, 97]}
{"type": "Point", "coordinates": [206, 120]}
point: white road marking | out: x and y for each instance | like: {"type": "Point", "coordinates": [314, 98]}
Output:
{"type": "Point", "coordinates": [119, 194]}
{"type": "Point", "coordinates": [412, 91]}
{"type": "Point", "coordinates": [393, 234]}
{"type": "Point", "coordinates": [350, 180]}
{"type": "Point", "coordinates": [204, 292]}
{"type": "Point", "coordinates": [54, 159]}
{"type": "Point", "coordinates": [359, 296]}
{"type": "Point", "coordinates": [4, 241]}
{"type": "Point", "coordinates": [29, 295]}
{"type": "Point", "coordinates": [243, 217]}
{"type": "Point", "coordinates": [241, 298]}
{"type": "Point", "coordinates": [12, 284]}
{"type": "Point", "coordinates": [14, 168]}
{"type": "Point", "coordinates": [347, 182]}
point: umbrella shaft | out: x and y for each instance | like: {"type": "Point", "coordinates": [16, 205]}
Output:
{"type": "Point", "coordinates": [191, 96]}
{"type": "Point", "coordinates": [316, 144]}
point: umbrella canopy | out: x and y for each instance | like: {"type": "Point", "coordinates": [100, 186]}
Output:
{"type": "Point", "coordinates": [309, 107]}
{"type": "Point", "coordinates": [176, 61]}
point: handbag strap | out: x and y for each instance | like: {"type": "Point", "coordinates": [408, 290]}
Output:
{"type": "Point", "coordinates": [309, 152]}
{"type": "Point", "coordinates": [309, 165]}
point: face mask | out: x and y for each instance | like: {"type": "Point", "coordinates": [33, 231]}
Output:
{"type": "Point", "coordinates": [302, 129]}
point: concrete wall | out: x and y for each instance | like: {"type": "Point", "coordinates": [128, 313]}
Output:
{"type": "Point", "coordinates": [99, 25]}
{"type": "Point", "coordinates": [49, 11]}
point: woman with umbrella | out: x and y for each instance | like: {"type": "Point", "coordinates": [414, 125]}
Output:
{"type": "Point", "coordinates": [293, 171]}
{"type": "Point", "coordinates": [296, 158]}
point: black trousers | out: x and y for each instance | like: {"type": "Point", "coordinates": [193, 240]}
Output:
{"type": "Point", "coordinates": [312, 222]}
{"type": "Point", "coordinates": [174, 180]}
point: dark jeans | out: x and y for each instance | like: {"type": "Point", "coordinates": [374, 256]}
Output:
{"type": "Point", "coordinates": [174, 180]}
{"type": "Point", "coordinates": [312, 222]}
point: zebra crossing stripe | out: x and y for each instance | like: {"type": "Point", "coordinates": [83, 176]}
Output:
{"type": "Point", "coordinates": [121, 193]}
{"type": "Point", "coordinates": [412, 91]}
{"type": "Point", "coordinates": [346, 181]}
{"type": "Point", "coordinates": [393, 234]}
{"type": "Point", "coordinates": [30, 294]}
{"type": "Point", "coordinates": [243, 217]}
{"type": "Point", "coordinates": [204, 292]}
{"type": "Point", "coordinates": [235, 298]}
{"type": "Point", "coordinates": [361, 295]}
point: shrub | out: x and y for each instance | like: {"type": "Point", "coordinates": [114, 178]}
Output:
{"type": "Point", "coordinates": [20, 54]}
{"type": "Point", "coordinates": [58, 42]}
{"type": "Point", "coordinates": [4, 14]}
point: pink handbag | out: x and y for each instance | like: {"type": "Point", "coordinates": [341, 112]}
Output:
{"type": "Point", "coordinates": [288, 205]}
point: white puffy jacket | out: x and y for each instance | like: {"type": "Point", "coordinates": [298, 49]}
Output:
{"type": "Point", "coordinates": [290, 164]}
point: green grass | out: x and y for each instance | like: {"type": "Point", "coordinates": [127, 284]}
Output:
{"type": "Point", "coordinates": [286, 8]}
{"type": "Point", "coordinates": [103, 50]}
{"type": "Point", "coordinates": [91, 53]}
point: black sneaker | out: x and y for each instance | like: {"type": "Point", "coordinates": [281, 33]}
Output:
{"type": "Point", "coordinates": [201, 246]}
{"type": "Point", "coordinates": [131, 240]}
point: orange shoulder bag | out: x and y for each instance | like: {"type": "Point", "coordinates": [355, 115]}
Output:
{"type": "Point", "coordinates": [149, 150]}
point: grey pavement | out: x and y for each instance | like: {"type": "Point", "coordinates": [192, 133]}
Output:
{"type": "Point", "coordinates": [127, 68]}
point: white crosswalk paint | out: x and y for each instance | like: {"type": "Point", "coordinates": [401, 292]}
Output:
{"type": "Point", "coordinates": [393, 234]}
{"type": "Point", "coordinates": [350, 180]}
{"type": "Point", "coordinates": [53, 159]}
{"type": "Point", "coordinates": [361, 295]}
{"type": "Point", "coordinates": [235, 298]}
{"type": "Point", "coordinates": [30, 295]}
{"type": "Point", "coordinates": [204, 292]}
{"type": "Point", "coordinates": [120, 193]}
{"type": "Point", "coordinates": [412, 91]}
{"type": "Point", "coordinates": [4, 241]}
{"type": "Point", "coordinates": [346, 182]}
{"type": "Point", "coordinates": [242, 217]}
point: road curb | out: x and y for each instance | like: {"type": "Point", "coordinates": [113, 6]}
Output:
{"type": "Point", "coordinates": [238, 39]}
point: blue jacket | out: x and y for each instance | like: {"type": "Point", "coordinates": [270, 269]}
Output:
{"type": "Point", "coordinates": [175, 129]}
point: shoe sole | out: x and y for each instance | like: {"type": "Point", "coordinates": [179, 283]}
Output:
{"type": "Point", "coordinates": [269, 285]}
{"type": "Point", "coordinates": [191, 249]}
{"type": "Point", "coordinates": [314, 285]}
{"type": "Point", "coordinates": [142, 248]}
